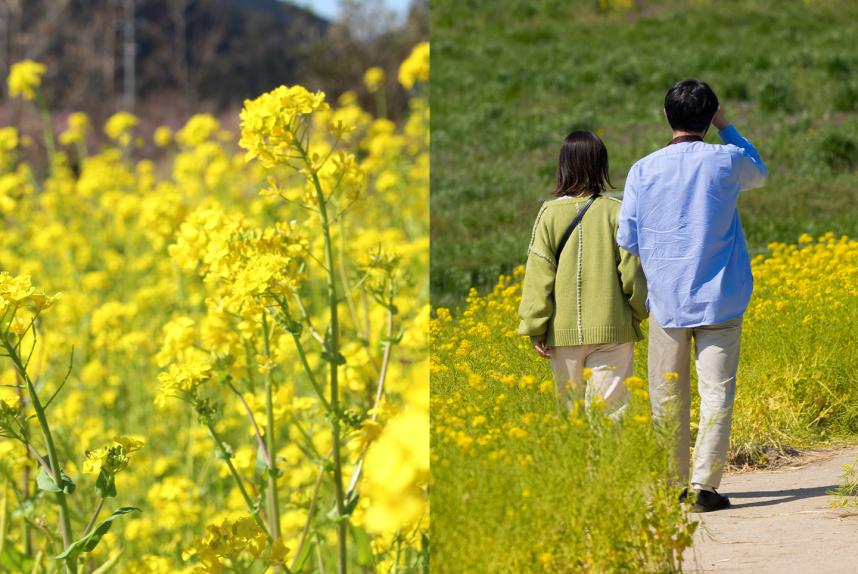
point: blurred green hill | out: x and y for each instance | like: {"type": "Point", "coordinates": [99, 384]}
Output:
{"type": "Point", "coordinates": [511, 77]}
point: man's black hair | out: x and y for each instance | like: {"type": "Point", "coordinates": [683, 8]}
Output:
{"type": "Point", "coordinates": [690, 106]}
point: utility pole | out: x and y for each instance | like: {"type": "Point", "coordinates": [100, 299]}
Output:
{"type": "Point", "coordinates": [129, 56]}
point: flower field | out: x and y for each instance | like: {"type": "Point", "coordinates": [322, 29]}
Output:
{"type": "Point", "coordinates": [217, 362]}
{"type": "Point", "coordinates": [519, 487]}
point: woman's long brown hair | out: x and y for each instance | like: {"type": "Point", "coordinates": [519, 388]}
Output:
{"type": "Point", "coordinates": [582, 168]}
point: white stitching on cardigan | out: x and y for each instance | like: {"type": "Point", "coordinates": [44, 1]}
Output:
{"type": "Point", "coordinates": [535, 226]}
{"type": "Point", "coordinates": [541, 256]}
{"type": "Point", "coordinates": [578, 278]}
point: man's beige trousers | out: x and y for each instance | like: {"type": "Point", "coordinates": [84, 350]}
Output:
{"type": "Point", "coordinates": [611, 365]}
{"type": "Point", "coordinates": [717, 358]}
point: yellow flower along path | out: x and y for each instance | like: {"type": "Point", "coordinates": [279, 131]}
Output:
{"type": "Point", "coordinates": [218, 362]}
{"type": "Point", "coordinates": [518, 486]}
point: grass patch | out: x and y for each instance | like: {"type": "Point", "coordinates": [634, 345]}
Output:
{"type": "Point", "coordinates": [511, 78]}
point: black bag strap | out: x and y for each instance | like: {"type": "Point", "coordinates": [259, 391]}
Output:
{"type": "Point", "coordinates": [568, 233]}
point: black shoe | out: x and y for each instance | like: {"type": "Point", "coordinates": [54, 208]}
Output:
{"type": "Point", "coordinates": [683, 496]}
{"type": "Point", "coordinates": [708, 501]}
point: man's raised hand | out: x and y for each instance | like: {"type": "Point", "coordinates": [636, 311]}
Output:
{"type": "Point", "coordinates": [719, 121]}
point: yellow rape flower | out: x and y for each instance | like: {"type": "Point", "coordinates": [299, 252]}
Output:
{"type": "Point", "coordinates": [24, 78]}
{"type": "Point", "coordinates": [9, 140]}
{"type": "Point", "coordinates": [183, 379]}
{"type": "Point", "coordinates": [118, 127]}
{"type": "Point", "coordinates": [199, 129]}
{"type": "Point", "coordinates": [78, 127]}
{"type": "Point", "coordinates": [233, 540]}
{"type": "Point", "coordinates": [163, 136]}
{"type": "Point", "coordinates": [271, 123]}
{"type": "Point", "coordinates": [415, 68]}
{"type": "Point", "coordinates": [374, 78]}
{"type": "Point", "coordinates": [112, 458]}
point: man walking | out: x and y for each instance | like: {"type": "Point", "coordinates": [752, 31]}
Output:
{"type": "Point", "coordinates": [679, 215]}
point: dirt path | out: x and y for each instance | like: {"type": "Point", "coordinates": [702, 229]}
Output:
{"type": "Point", "coordinates": [781, 521]}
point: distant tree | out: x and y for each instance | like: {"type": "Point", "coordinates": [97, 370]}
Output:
{"type": "Point", "coordinates": [366, 35]}
{"type": "Point", "coordinates": [103, 55]}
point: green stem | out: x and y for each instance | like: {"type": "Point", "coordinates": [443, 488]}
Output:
{"type": "Point", "coordinates": [382, 377]}
{"type": "Point", "coordinates": [273, 497]}
{"type": "Point", "coordinates": [396, 556]}
{"type": "Point", "coordinates": [261, 441]}
{"type": "Point", "coordinates": [310, 512]}
{"type": "Point", "coordinates": [381, 103]}
{"type": "Point", "coordinates": [303, 356]}
{"type": "Point", "coordinates": [53, 460]}
{"type": "Point", "coordinates": [25, 433]}
{"type": "Point", "coordinates": [95, 514]}
{"type": "Point", "coordinates": [47, 128]}
{"type": "Point", "coordinates": [237, 478]}
{"type": "Point", "coordinates": [334, 353]}
{"type": "Point", "coordinates": [3, 514]}
{"type": "Point", "coordinates": [319, 559]}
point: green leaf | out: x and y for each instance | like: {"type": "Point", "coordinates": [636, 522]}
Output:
{"type": "Point", "coordinates": [349, 505]}
{"type": "Point", "coordinates": [12, 560]}
{"type": "Point", "coordinates": [395, 339]}
{"type": "Point", "coordinates": [340, 360]}
{"type": "Point", "coordinates": [301, 559]}
{"type": "Point", "coordinates": [47, 483]}
{"type": "Point", "coordinates": [105, 485]}
{"type": "Point", "coordinates": [91, 540]}
{"type": "Point", "coordinates": [424, 553]}
{"type": "Point", "coordinates": [292, 326]}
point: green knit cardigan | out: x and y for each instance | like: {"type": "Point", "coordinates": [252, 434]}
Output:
{"type": "Point", "coordinates": [597, 294]}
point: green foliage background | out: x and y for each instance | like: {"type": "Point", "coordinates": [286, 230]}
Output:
{"type": "Point", "coordinates": [511, 77]}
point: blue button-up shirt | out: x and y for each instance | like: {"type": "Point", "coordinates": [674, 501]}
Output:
{"type": "Point", "coordinates": [679, 215]}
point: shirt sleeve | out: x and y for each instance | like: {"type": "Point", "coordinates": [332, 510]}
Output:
{"type": "Point", "coordinates": [627, 230]}
{"type": "Point", "coordinates": [537, 298]}
{"type": "Point", "coordinates": [751, 169]}
{"type": "Point", "coordinates": [633, 281]}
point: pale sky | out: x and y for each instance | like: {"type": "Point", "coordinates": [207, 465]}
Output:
{"type": "Point", "coordinates": [331, 8]}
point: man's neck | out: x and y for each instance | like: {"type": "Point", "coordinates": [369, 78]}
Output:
{"type": "Point", "coordinates": [679, 134]}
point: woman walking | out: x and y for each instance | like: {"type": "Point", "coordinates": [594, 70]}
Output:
{"type": "Point", "coordinates": [583, 296]}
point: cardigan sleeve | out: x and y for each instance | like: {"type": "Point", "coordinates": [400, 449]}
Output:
{"type": "Point", "coordinates": [633, 281]}
{"type": "Point", "coordinates": [537, 299]}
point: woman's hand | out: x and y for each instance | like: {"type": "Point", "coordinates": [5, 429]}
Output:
{"type": "Point", "coordinates": [541, 348]}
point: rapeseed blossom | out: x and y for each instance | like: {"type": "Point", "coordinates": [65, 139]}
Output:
{"type": "Point", "coordinates": [273, 122]}
{"type": "Point", "coordinates": [112, 458]}
{"type": "Point", "coordinates": [25, 77]}
{"type": "Point", "coordinates": [183, 295]}
{"type": "Point", "coordinates": [415, 68]}
{"type": "Point", "coordinates": [163, 136]}
{"type": "Point", "coordinates": [119, 126]}
{"type": "Point", "coordinates": [374, 78]}
{"type": "Point", "coordinates": [78, 128]}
